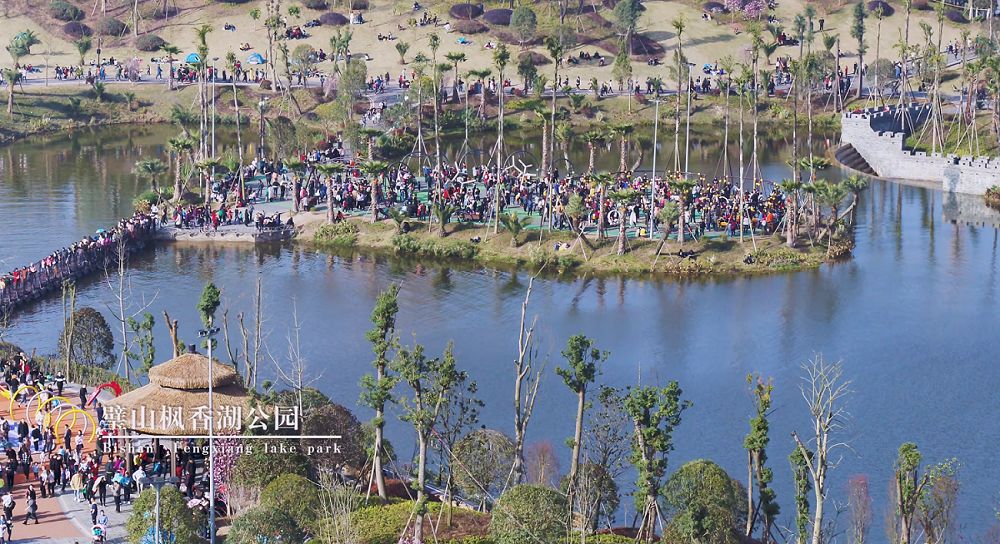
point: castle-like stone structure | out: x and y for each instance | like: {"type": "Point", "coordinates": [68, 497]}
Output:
{"type": "Point", "coordinates": [878, 136]}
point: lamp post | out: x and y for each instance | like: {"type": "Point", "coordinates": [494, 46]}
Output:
{"type": "Point", "coordinates": [208, 335]}
{"type": "Point", "coordinates": [260, 106]}
{"type": "Point", "coordinates": [158, 484]}
{"type": "Point", "coordinates": [652, 182]}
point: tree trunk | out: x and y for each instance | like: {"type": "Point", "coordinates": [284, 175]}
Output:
{"type": "Point", "coordinates": [621, 232]}
{"type": "Point", "coordinates": [601, 216]}
{"type": "Point", "coordinates": [374, 196]}
{"type": "Point", "coordinates": [574, 467]}
{"type": "Point", "coordinates": [329, 199]}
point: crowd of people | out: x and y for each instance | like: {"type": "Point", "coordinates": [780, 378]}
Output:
{"type": "Point", "coordinates": [67, 263]}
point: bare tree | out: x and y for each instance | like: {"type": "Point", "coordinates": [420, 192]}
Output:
{"type": "Point", "coordinates": [337, 501]}
{"type": "Point", "coordinates": [119, 282]}
{"type": "Point", "coordinates": [296, 375]}
{"type": "Point", "coordinates": [859, 502]}
{"type": "Point", "coordinates": [525, 386]}
{"type": "Point", "coordinates": [251, 355]}
{"type": "Point", "coordinates": [69, 322]}
{"type": "Point", "coordinates": [825, 391]}
{"type": "Point", "coordinates": [541, 464]}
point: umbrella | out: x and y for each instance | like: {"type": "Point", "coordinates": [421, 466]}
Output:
{"type": "Point", "coordinates": [192, 58]}
{"type": "Point", "coordinates": [256, 58]}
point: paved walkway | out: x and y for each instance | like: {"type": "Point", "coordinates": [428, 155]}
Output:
{"type": "Point", "coordinates": [61, 520]}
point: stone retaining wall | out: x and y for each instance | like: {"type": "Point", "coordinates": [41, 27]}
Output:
{"type": "Point", "coordinates": [877, 135]}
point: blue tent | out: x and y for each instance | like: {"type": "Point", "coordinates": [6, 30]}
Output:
{"type": "Point", "coordinates": [192, 58]}
{"type": "Point", "coordinates": [256, 58]}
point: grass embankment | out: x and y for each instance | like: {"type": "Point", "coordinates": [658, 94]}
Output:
{"type": "Point", "coordinates": [39, 109]}
{"type": "Point", "coordinates": [712, 257]}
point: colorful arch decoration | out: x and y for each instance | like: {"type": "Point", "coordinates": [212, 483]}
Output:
{"type": "Point", "coordinates": [10, 404]}
{"type": "Point", "coordinates": [41, 406]}
{"type": "Point", "coordinates": [113, 386]}
{"type": "Point", "coordinates": [57, 410]}
{"type": "Point", "coordinates": [75, 410]}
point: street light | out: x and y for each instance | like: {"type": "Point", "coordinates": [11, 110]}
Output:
{"type": "Point", "coordinates": [209, 334]}
{"type": "Point", "coordinates": [158, 484]}
{"type": "Point", "coordinates": [260, 105]}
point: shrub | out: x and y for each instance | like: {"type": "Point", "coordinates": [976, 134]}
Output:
{"type": "Point", "coordinates": [149, 42]}
{"type": "Point", "coordinates": [93, 342]}
{"type": "Point", "coordinates": [64, 11]}
{"type": "Point", "coordinates": [465, 11]}
{"type": "Point", "coordinates": [109, 26]}
{"type": "Point", "coordinates": [469, 27]}
{"type": "Point", "coordinates": [333, 19]}
{"type": "Point", "coordinates": [922, 5]}
{"type": "Point", "coordinates": [408, 244]}
{"type": "Point", "coordinates": [528, 512]}
{"type": "Point", "coordinates": [343, 234]}
{"type": "Point", "coordinates": [297, 496]}
{"type": "Point", "coordinates": [500, 17]}
{"type": "Point", "coordinates": [234, 1]}
{"type": "Point", "coordinates": [887, 10]}
{"type": "Point", "coordinates": [332, 418]}
{"type": "Point", "coordinates": [992, 197]}
{"type": "Point", "coordinates": [316, 4]}
{"type": "Point", "coordinates": [714, 7]}
{"type": "Point", "coordinates": [382, 524]}
{"type": "Point", "coordinates": [76, 30]}
{"type": "Point", "coordinates": [537, 59]}
{"type": "Point", "coordinates": [706, 503]}
{"type": "Point", "coordinates": [8, 350]}
{"type": "Point", "coordinates": [257, 468]}
{"type": "Point", "coordinates": [176, 518]}
{"type": "Point", "coordinates": [265, 523]}
{"type": "Point", "coordinates": [956, 16]}
{"type": "Point", "coordinates": [359, 4]}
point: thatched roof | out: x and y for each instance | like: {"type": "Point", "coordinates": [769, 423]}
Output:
{"type": "Point", "coordinates": [190, 371]}
{"type": "Point", "coordinates": [180, 386]}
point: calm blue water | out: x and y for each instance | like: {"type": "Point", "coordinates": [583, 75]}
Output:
{"type": "Point", "coordinates": [913, 318]}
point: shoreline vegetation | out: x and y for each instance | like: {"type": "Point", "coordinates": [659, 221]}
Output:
{"type": "Point", "coordinates": [721, 256]}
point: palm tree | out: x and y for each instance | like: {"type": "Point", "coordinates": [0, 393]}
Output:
{"type": "Point", "coordinates": [479, 75]}
{"type": "Point", "coordinates": [12, 76]}
{"type": "Point", "coordinates": [372, 171]}
{"type": "Point", "coordinates": [231, 63]}
{"type": "Point", "coordinates": [150, 169]}
{"type": "Point", "coordinates": [564, 134]}
{"type": "Point", "coordinates": [296, 166]}
{"type": "Point", "coordinates": [684, 187]}
{"type": "Point", "coordinates": [201, 33]}
{"type": "Point", "coordinates": [402, 48]}
{"type": "Point", "coordinates": [398, 217]}
{"type": "Point", "coordinates": [855, 184]}
{"type": "Point", "coordinates": [435, 42]}
{"type": "Point", "coordinates": [621, 131]}
{"type": "Point", "coordinates": [539, 109]}
{"type": "Point", "coordinates": [592, 137]}
{"type": "Point", "coordinates": [668, 215]}
{"type": "Point", "coordinates": [369, 135]}
{"type": "Point", "coordinates": [455, 57]}
{"type": "Point", "coordinates": [831, 195]}
{"type": "Point", "coordinates": [182, 117]}
{"type": "Point", "coordinates": [679, 68]}
{"type": "Point", "coordinates": [178, 147]}
{"type": "Point", "coordinates": [340, 44]}
{"type": "Point", "coordinates": [330, 170]}
{"type": "Point", "coordinates": [170, 51]}
{"type": "Point", "coordinates": [514, 224]}
{"type": "Point", "coordinates": [82, 47]}
{"type": "Point", "coordinates": [624, 198]}
{"type": "Point", "coordinates": [791, 188]}
{"type": "Point", "coordinates": [442, 212]}
{"type": "Point", "coordinates": [207, 168]}
{"type": "Point", "coordinates": [501, 56]}
{"type": "Point", "coordinates": [603, 181]}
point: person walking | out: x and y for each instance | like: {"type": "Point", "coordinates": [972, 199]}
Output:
{"type": "Point", "coordinates": [93, 513]}
{"type": "Point", "coordinates": [83, 396]}
{"type": "Point", "coordinates": [31, 510]}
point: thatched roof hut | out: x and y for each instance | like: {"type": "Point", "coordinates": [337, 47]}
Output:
{"type": "Point", "coordinates": [179, 388]}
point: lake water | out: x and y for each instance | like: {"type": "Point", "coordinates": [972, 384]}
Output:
{"type": "Point", "coordinates": [912, 315]}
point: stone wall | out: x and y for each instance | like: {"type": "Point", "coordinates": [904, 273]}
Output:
{"type": "Point", "coordinates": [877, 136]}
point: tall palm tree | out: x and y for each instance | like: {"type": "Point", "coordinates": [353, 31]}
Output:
{"type": "Point", "coordinates": [540, 110]}
{"type": "Point", "coordinates": [201, 33]}
{"type": "Point", "coordinates": [831, 195]}
{"type": "Point", "coordinates": [501, 56]}
{"type": "Point", "coordinates": [555, 48]}
{"type": "Point", "coordinates": [373, 170]}
{"type": "Point", "coordinates": [179, 146]}
{"type": "Point", "coordinates": [171, 51]}
{"type": "Point", "coordinates": [150, 169]}
{"type": "Point", "coordinates": [330, 170]}
{"type": "Point", "coordinates": [602, 182]}
{"type": "Point", "coordinates": [681, 68]}
{"type": "Point", "coordinates": [622, 131]}
{"type": "Point", "coordinates": [479, 75]}
{"type": "Point", "coordinates": [434, 41]}
{"type": "Point", "coordinates": [231, 63]}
